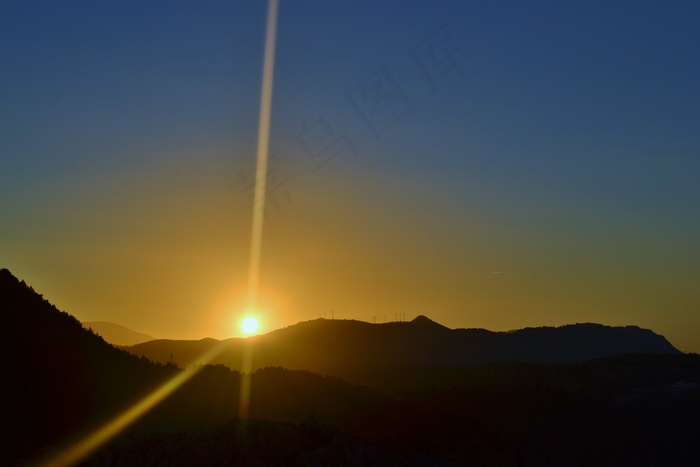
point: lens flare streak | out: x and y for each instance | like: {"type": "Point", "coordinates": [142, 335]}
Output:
{"type": "Point", "coordinates": [262, 156]}
{"type": "Point", "coordinates": [81, 449]}
{"type": "Point", "coordinates": [259, 200]}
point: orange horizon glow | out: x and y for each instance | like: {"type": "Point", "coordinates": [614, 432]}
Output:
{"type": "Point", "coordinates": [81, 449]}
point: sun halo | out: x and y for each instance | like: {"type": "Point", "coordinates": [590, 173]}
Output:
{"type": "Point", "coordinates": [250, 325]}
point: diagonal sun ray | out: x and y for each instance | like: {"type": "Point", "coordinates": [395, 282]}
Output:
{"type": "Point", "coordinates": [78, 451]}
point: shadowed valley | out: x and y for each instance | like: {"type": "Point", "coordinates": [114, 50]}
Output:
{"type": "Point", "coordinates": [351, 393]}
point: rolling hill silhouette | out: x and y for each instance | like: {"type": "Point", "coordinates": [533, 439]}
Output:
{"type": "Point", "coordinates": [61, 378]}
{"type": "Point", "coordinates": [344, 347]}
{"type": "Point", "coordinates": [62, 381]}
{"type": "Point", "coordinates": [117, 334]}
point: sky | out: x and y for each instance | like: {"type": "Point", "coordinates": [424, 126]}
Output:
{"type": "Point", "coordinates": [492, 165]}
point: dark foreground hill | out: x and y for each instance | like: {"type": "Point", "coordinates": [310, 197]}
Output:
{"type": "Point", "coordinates": [62, 382]}
{"type": "Point", "coordinates": [345, 348]}
{"type": "Point", "coordinates": [59, 378]}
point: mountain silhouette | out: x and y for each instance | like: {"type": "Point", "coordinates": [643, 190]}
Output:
{"type": "Point", "coordinates": [117, 334]}
{"type": "Point", "coordinates": [422, 320]}
{"type": "Point", "coordinates": [58, 376]}
{"type": "Point", "coordinates": [61, 381]}
{"type": "Point", "coordinates": [343, 347]}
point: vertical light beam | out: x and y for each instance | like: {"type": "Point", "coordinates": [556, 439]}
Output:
{"type": "Point", "coordinates": [259, 200]}
{"type": "Point", "coordinates": [263, 146]}
{"type": "Point", "coordinates": [81, 449]}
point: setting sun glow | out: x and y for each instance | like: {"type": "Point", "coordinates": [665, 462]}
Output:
{"type": "Point", "coordinates": [250, 325]}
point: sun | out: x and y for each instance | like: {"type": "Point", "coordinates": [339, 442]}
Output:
{"type": "Point", "coordinates": [250, 325]}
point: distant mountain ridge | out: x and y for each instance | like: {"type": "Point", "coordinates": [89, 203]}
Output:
{"type": "Point", "coordinates": [341, 347]}
{"type": "Point", "coordinates": [117, 334]}
{"type": "Point", "coordinates": [62, 381]}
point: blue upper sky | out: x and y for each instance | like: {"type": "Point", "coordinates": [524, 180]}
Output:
{"type": "Point", "coordinates": [555, 143]}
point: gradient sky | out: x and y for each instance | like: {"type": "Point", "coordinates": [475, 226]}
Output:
{"type": "Point", "coordinates": [497, 164]}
